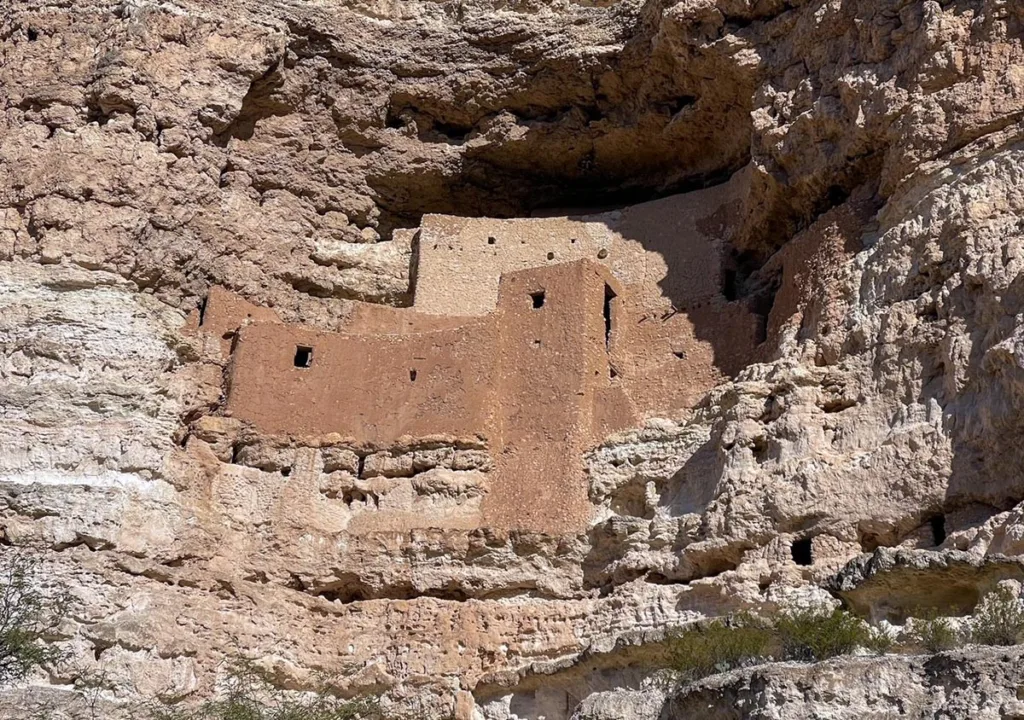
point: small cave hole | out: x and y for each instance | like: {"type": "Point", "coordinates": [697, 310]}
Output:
{"type": "Point", "coordinates": [551, 256]}
{"type": "Point", "coordinates": [286, 471]}
{"type": "Point", "coordinates": [612, 372]}
{"type": "Point", "coordinates": [303, 356]}
{"type": "Point", "coordinates": [491, 240]}
{"type": "Point", "coordinates": [801, 550]}
{"type": "Point", "coordinates": [536, 343]}
{"type": "Point", "coordinates": [412, 375]}
{"type": "Point", "coordinates": [572, 241]}
{"type": "Point", "coordinates": [602, 254]}
{"type": "Point", "coordinates": [236, 450]}
{"type": "Point", "coordinates": [938, 525]}
{"type": "Point", "coordinates": [680, 354]}
{"type": "Point", "coordinates": [837, 195]}
{"type": "Point", "coordinates": [729, 285]}
{"type": "Point", "coordinates": [759, 447]}
{"type": "Point", "coordinates": [33, 35]}
{"type": "Point", "coordinates": [538, 299]}
{"type": "Point", "coordinates": [677, 105]}
{"type": "Point", "coordinates": [761, 329]}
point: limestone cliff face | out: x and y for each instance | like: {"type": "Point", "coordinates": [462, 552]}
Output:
{"type": "Point", "coordinates": [287, 150]}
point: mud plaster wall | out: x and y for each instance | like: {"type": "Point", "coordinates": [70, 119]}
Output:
{"type": "Point", "coordinates": [384, 319]}
{"type": "Point", "coordinates": [375, 388]}
{"type": "Point", "coordinates": [812, 269]}
{"type": "Point", "coordinates": [679, 335]}
{"type": "Point", "coordinates": [526, 377]}
{"type": "Point", "coordinates": [554, 359]}
{"type": "Point", "coordinates": [223, 313]}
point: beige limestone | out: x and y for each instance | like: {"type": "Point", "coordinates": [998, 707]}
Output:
{"type": "Point", "coordinates": [285, 151]}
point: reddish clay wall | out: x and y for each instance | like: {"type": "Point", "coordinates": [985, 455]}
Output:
{"type": "Point", "coordinates": [223, 313]}
{"type": "Point", "coordinates": [533, 378]}
{"type": "Point", "coordinates": [372, 319]}
{"type": "Point", "coordinates": [374, 388]}
{"type": "Point", "coordinates": [541, 384]}
{"type": "Point", "coordinates": [553, 360]}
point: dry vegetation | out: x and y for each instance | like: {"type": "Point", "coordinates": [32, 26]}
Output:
{"type": "Point", "coordinates": [816, 634]}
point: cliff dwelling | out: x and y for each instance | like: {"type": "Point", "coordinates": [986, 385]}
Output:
{"type": "Point", "coordinates": [531, 340]}
{"type": "Point", "coordinates": [482, 360]}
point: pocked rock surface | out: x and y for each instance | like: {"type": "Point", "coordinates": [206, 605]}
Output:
{"type": "Point", "coordinates": [298, 154]}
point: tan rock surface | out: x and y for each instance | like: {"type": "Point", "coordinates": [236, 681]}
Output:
{"type": "Point", "coordinates": [286, 151]}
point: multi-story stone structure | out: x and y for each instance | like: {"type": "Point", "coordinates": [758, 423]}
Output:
{"type": "Point", "coordinates": [535, 338]}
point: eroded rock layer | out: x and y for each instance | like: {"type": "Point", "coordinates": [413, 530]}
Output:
{"type": "Point", "coordinates": [297, 155]}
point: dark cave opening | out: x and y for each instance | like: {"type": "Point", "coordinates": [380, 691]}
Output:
{"type": "Point", "coordinates": [938, 527]}
{"type": "Point", "coordinates": [801, 551]}
{"type": "Point", "coordinates": [485, 190]}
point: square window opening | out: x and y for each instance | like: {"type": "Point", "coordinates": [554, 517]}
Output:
{"type": "Point", "coordinates": [303, 356]}
{"type": "Point", "coordinates": [801, 550]}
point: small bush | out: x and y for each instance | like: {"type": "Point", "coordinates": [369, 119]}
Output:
{"type": "Point", "coordinates": [934, 634]}
{"type": "Point", "coordinates": [27, 617]}
{"type": "Point", "coordinates": [816, 634]}
{"type": "Point", "coordinates": [998, 619]}
{"type": "Point", "coordinates": [250, 695]}
{"type": "Point", "coordinates": [717, 647]}
{"type": "Point", "coordinates": [805, 635]}
{"type": "Point", "coordinates": [880, 642]}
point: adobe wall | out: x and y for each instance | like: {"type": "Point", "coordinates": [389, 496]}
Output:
{"type": "Point", "coordinates": [667, 251]}
{"type": "Point", "coordinates": [370, 318]}
{"type": "Point", "coordinates": [682, 336]}
{"type": "Point", "coordinates": [374, 388]}
{"type": "Point", "coordinates": [461, 259]}
{"type": "Point", "coordinates": [553, 360]}
{"type": "Point", "coordinates": [222, 313]}
{"type": "Point", "coordinates": [525, 380]}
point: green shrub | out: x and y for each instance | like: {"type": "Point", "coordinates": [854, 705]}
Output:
{"type": "Point", "coordinates": [998, 619]}
{"type": "Point", "coordinates": [880, 642]}
{"type": "Point", "coordinates": [934, 634]}
{"type": "Point", "coordinates": [805, 635]}
{"type": "Point", "coordinates": [716, 647]}
{"type": "Point", "coordinates": [250, 695]}
{"type": "Point", "coordinates": [27, 617]}
{"type": "Point", "coordinates": [818, 634]}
